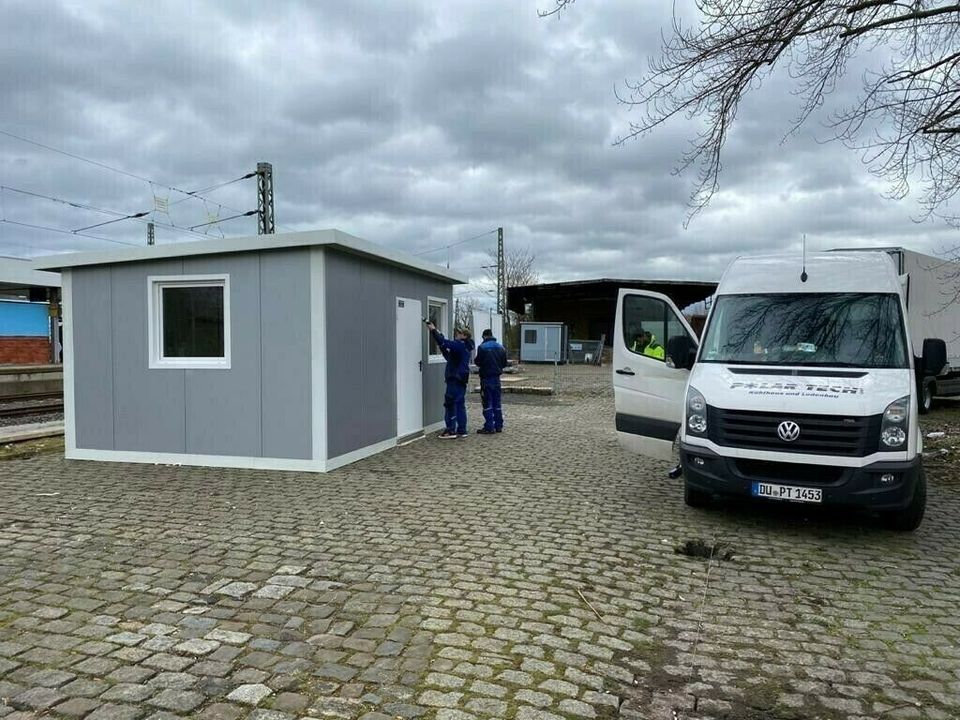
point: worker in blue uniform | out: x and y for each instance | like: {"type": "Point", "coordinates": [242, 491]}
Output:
{"type": "Point", "coordinates": [491, 360]}
{"type": "Point", "coordinates": [457, 374]}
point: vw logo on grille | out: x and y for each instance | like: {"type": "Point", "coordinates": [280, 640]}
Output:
{"type": "Point", "coordinates": [788, 431]}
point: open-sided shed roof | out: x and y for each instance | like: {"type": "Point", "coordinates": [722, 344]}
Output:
{"type": "Point", "coordinates": [682, 292]}
{"type": "Point", "coordinates": [331, 238]}
{"type": "Point", "coordinates": [16, 274]}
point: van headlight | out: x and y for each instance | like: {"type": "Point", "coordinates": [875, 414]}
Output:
{"type": "Point", "coordinates": [893, 429]}
{"type": "Point", "coordinates": [696, 412]}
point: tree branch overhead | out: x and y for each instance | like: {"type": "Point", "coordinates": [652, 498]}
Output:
{"type": "Point", "coordinates": [904, 123]}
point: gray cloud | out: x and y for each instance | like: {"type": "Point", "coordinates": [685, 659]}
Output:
{"type": "Point", "coordinates": [412, 124]}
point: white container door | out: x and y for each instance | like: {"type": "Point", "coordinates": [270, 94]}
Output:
{"type": "Point", "coordinates": [552, 350]}
{"type": "Point", "coordinates": [410, 332]}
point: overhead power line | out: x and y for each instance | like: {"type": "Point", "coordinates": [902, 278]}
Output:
{"type": "Point", "coordinates": [93, 208]}
{"type": "Point", "coordinates": [188, 194]}
{"type": "Point", "coordinates": [115, 220]}
{"type": "Point", "coordinates": [220, 220]}
{"type": "Point", "coordinates": [65, 232]}
{"type": "Point", "coordinates": [458, 242]}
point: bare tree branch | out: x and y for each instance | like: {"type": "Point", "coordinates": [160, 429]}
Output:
{"type": "Point", "coordinates": [920, 15]}
{"type": "Point", "coordinates": [903, 124]}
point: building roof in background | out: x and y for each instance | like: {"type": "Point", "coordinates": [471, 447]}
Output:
{"type": "Point", "coordinates": [331, 238]}
{"type": "Point", "coordinates": [19, 274]}
{"type": "Point", "coordinates": [682, 292]}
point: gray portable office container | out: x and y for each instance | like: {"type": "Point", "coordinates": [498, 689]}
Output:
{"type": "Point", "coordinates": [543, 342]}
{"type": "Point", "coordinates": [319, 357]}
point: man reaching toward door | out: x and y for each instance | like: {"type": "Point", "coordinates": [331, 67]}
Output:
{"type": "Point", "coordinates": [457, 374]}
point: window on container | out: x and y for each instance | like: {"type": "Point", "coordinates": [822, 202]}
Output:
{"type": "Point", "coordinates": [189, 321]}
{"type": "Point", "coordinates": [437, 314]}
{"type": "Point", "coordinates": [529, 337]}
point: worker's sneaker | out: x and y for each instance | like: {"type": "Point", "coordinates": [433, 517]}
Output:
{"type": "Point", "coordinates": [447, 435]}
{"type": "Point", "coordinates": [461, 435]}
{"type": "Point", "coordinates": [499, 430]}
{"type": "Point", "coordinates": [484, 431]}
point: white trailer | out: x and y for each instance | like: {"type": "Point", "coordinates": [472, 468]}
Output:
{"type": "Point", "coordinates": [931, 286]}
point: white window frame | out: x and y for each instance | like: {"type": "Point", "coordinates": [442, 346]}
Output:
{"type": "Point", "coordinates": [444, 327]}
{"type": "Point", "coordinates": [155, 286]}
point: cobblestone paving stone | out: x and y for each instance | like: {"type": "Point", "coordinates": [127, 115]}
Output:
{"type": "Point", "coordinates": [530, 574]}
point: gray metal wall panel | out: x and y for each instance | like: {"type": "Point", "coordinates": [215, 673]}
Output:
{"type": "Point", "coordinates": [361, 354]}
{"type": "Point", "coordinates": [92, 358]}
{"type": "Point", "coordinates": [378, 365]}
{"type": "Point", "coordinates": [346, 341]}
{"type": "Point", "coordinates": [286, 354]}
{"type": "Point", "coordinates": [223, 406]}
{"type": "Point", "coordinates": [149, 407]}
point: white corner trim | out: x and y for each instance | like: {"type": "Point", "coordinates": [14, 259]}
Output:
{"type": "Point", "coordinates": [69, 401]}
{"type": "Point", "coordinates": [223, 461]}
{"type": "Point", "coordinates": [155, 285]}
{"type": "Point", "coordinates": [318, 353]}
{"type": "Point", "coordinates": [364, 452]}
{"type": "Point", "coordinates": [234, 461]}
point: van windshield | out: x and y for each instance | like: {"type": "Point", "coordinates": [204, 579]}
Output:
{"type": "Point", "coordinates": [835, 329]}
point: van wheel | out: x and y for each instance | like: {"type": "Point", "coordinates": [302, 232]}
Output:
{"type": "Point", "coordinates": [695, 498]}
{"type": "Point", "coordinates": [926, 397]}
{"type": "Point", "coordinates": [908, 519]}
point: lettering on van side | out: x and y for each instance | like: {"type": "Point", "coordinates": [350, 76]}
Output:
{"type": "Point", "coordinates": [795, 388]}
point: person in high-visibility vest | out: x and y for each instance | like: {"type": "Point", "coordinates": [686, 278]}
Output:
{"type": "Point", "coordinates": [651, 347]}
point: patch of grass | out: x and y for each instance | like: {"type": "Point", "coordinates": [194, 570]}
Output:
{"type": "Point", "coordinates": [31, 448]}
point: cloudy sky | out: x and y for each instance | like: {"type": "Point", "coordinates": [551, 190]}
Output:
{"type": "Point", "coordinates": [413, 124]}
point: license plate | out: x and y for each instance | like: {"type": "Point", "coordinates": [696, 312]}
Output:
{"type": "Point", "coordinates": [787, 492]}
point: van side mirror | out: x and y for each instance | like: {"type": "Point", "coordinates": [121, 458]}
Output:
{"type": "Point", "coordinates": [681, 351]}
{"type": "Point", "coordinates": [934, 357]}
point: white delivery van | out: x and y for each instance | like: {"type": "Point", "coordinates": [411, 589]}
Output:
{"type": "Point", "coordinates": [803, 388]}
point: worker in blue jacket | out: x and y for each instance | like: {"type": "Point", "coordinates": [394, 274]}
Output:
{"type": "Point", "coordinates": [457, 374]}
{"type": "Point", "coordinates": [491, 360]}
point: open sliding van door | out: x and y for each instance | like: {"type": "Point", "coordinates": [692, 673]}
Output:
{"type": "Point", "coordinates": [653, 350]}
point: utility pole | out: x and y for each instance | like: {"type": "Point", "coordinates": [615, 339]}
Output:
{"type": "Point", "coordinates": [265, 218]}
{"type": "Point", "coordinates": [501, 273]}
{"type": "Point", "coordinates": [150, 235]}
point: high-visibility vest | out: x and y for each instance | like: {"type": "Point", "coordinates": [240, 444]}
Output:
{"type": "Point", "coordinates": [654, 350]}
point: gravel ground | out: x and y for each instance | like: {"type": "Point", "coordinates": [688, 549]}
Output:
{"type": "Point", "coordinates": [28, 419]}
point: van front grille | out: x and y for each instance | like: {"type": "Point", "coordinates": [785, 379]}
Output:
{"type": "Point", "coordinates": [840, 435]}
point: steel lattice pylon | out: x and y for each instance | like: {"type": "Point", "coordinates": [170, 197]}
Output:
{"type": "Point", "coordinates": [501, 273]}
{"type": "Point", "coordinates": [265, 218]}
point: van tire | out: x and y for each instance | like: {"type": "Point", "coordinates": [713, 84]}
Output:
{"type": "Point", "coordinates": [695, 498]}
{"type": "Point", "coordinates": [926, 397]}
{"type": "Point", "coordinates": [909, 519]}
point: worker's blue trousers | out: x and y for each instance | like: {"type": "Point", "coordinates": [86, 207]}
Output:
{"type": "Point", "coordinates": [490, 395]}
{"type": "Point", "coordinates": [455, 407]}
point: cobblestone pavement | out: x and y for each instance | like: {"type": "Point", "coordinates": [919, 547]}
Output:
{"type": "Point", "coordinates": [531, 574]}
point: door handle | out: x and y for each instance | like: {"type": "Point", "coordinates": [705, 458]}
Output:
{"type": "Point", "coordinates": [420, 365]}
{"type": "Point", "coordinates": [625, 371]}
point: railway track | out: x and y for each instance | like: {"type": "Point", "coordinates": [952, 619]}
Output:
{"type": "Point", "coordinates": [53, 404]}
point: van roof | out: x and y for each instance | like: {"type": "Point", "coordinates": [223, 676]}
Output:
{"type": "Point", "coordinates": [856, 272]}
